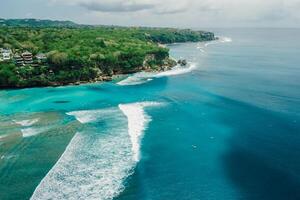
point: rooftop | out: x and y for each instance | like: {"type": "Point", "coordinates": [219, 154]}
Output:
{"type": "Point", "coordinates": [26, 53]}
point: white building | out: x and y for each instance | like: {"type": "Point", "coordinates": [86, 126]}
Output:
{"type": "Point", "coordinates": [41, 57]}
{"type": "Point", "coordinates": [5, 54]}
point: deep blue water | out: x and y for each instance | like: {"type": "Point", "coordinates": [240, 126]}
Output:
{"type": "Point", "coordinates": [228, 127]}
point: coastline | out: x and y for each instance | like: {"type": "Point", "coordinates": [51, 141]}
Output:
{"type": "Point", "coordinates": [170, 63]}
{"type": "Point", "coordinates": [102, 52]}
{"type": "Point", "coordinates": [105, 78]}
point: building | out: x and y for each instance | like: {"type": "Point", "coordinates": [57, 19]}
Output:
{"type": "Point", "coordinates": [5, 54]}
{"type": "Point", "coordinates": [18, 60]}
{"type": "Point", "coordinates": [27, 58]}
{"type": "Point", "coordinates": [41, 58]}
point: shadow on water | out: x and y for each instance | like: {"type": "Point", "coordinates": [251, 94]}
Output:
{"type": "Point", "coordinates": [263, 159]}
{"type": "Point", "coordinates": [259, 179]}
{"type": "Point", "coordinates": [61, 102]}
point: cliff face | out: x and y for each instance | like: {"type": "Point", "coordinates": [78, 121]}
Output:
{"type": "Point", "coordinates": [151, 64]}
{"type": "Point", "coordinates": [208, 36]}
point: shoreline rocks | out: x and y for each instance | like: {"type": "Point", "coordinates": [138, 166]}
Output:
{"type": "Point", "coordinates": [182, 62]}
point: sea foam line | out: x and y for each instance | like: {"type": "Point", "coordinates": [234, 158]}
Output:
{"type": "Point", "coordinates": [178, 70]}
{"type": "Point", "coordinates": [90, 116]}
{"type": "Point", "coordinates": [138, 121]}
{"type": "Point", "coordinates": [93, 166]}
{"type": "Point", "coordinates": [220, 39]}
{"type": "Point", "coordinates": [143, 77]}
{"type": "Point", "coordinates": [98, 160]}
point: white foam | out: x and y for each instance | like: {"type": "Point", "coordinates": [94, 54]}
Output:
{"type": "Point", "coordinates": [201, 49]}
{"type": "Point", "coordinates": [143, 77]}
{"type": "Point", "coordinates": [220, 39]}
{"type": "Point", "coordinates": [98, 160]}
{"type": "Point", "coordinates": [225, 39]}
{"type": "Point", "coordinates": [137, 78]}
{"type": "Point", "coordinates": [93, 166]}
{"type": "Point", "coordinates": [28, 122]}
{"type": "Point", "coordinates": [29, 132]}
{"type": "Point", "coordinates": [89, 116]}
{"type": "Point", "coordinates": [137, 123]}
{"type": "Point", "coordinates": [178, 70]}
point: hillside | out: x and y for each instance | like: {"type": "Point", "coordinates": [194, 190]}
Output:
{"type": "Point", "coordinates": [36, 23]}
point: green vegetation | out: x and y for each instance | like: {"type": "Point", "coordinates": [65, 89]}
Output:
{"type": "Point", "coordinates": [36, 23]}
{"type": "Point", "coordinates": [85, 53]}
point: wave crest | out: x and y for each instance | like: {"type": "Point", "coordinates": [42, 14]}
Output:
{"type": "Point", "coordinates": [97, 161]}
{"type": "Point", "coordinates": [220, 39]}
{"type": "Point", "coordinates": [90, 116]}
{"type": "Point", "coordinates": [137, 123]}
{"type": "Point", "coordinates": [143, 77]}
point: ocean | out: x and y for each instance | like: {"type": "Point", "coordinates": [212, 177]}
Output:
{"type": "Point", "coordinates": [227, 126]}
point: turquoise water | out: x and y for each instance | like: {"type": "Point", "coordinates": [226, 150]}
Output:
{"type": "Point", "coordinates": [225, 127]}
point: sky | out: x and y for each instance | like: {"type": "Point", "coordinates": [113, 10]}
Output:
{"type": "Point", "coordinates": [166, 13]}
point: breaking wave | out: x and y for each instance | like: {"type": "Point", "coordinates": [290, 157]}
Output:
{"type": "Point", "coordinates": [178, 70]}
{"type": "Point", "coordinates": [89, 116]}
{"type": "Point", "coordinates": [219, 40]}
{"type": "Point", "coordinates": [98, 160]}
{"type": "Point", "coordinates": [137, 123]}
{"type": "Point", "coordinates": [143, 77]}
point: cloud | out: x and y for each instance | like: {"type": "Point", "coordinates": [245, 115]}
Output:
{"type": "Point", "coordinates": [171, 7]}
{"type": "Point", "coordinates": [189, 12]}
{"type": "Point", "coordinates": [115, 6]}
{"type": "Point", "coordinates": [169, 11]}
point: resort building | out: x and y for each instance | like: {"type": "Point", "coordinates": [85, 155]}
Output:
{"type": "Point", "coordinates": [27, 58]}
{"type": "Point", "coordinates": [41, 58]}
{"type": "Point", "coordinates": [18, 60]}
{"type": "Point", "coordinates": [5, 54]}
